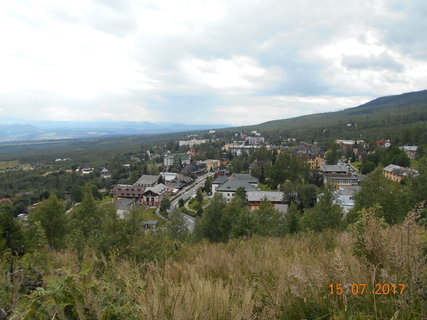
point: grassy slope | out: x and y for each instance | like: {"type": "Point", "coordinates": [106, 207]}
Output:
{"type": "Point", "coordinates": [259, 278]}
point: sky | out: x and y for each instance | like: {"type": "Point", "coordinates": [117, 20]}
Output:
{"type": "Point", "coordinates": [235, 62]}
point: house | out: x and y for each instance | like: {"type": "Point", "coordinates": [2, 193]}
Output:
{"type": "Point", "coordinates": [344, 196]}
{"type": "Point", "coordinates": [5, 200]}
{"type": "Point", "coordinates": [194, 169]}
{"type": "Point", "coordinates": [236, 181]}
{"type": "Point", "coordinates": [123, 206]}
{"type": "Point", "coordinates": [217, 182]}
{"type": "Point", "coordinates": [128, 191]}
{"type": "Point", "coordinates": [410, 151]}
{"type": "Point", "coordinates": [152, 196]}
{"type": "Point", "coordinates": [85, 169]}
{"type": "Point", "coordinates": [397, 173]}
{"type": "Point", "coordinates": [168, 160]}
{"type": "Point", "coordinates": [147, 180]}
{"type": "Point", "coordinates": [334, 169]}
{"type": "Point", "coordinates": [182, 158]}
{"type": "Point", "coordinates": [151, 224]}
{"type": "Point", "coordinates": [255, 140]}
{"type": "Point", "coordinates": [383, 143]}
{"type": "Point", "coordinates": [192, 143]}
{"type": "Point", "coordinates": [340, 179]}
{"type": "Point", "coordinates": [313, 155]}
{"type": "Point", "coordinates": [211, 164]}
{"type": "Point", "coordinates": [105, 173]}
{"type": "Point", "coordinates": [168, 176]}
{"type": "Point", "coordinates": [255, 198]}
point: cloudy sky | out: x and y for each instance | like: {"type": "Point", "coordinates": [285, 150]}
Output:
{"type": "Point", "coordinates": [237, 62]}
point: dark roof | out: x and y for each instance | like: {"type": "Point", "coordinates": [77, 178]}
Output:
{"type": "Point", "coordinates": [158, 189]}
{"type": "Point", "coordinates": [334, 168]}
{"type": "Point", "coordinates": [123, 204]}
{"type": "Point", "coordinates": [151, 222]}
{"type": "Point", "coordinates": [220, 180]}
{"type": "Point", "coordinates": [245, 177]}
{"type": "Point", "coordinates": [232, 184]}
{"type": "Point", "coordinates": [147, 180]}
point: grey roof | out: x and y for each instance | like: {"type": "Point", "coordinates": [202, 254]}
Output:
{"type": "Point", "coordinates": [341, 176]}
{"type": "Point", "coordinates": [220, 180]}
{"type": "Point", "coordinates": [232, 184]}
{"type": "Point", "coordinates": [334, 168]}
{"type": "Point", "coordinates": [274, 196]}
{"type": "Point", "coordinates": [245, 177]}
{"type": "Point", "coordinates": [151, 222]}
{"type": "Point", "coordinates": [399, 171]}
{"type": "Point", "coordinates": [158, 189]}
{"type": "Point", "coordinates": [123, 204]}
{"type": "Point", "coordinates": [147, 180]}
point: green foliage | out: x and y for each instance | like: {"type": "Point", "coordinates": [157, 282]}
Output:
{"type": "Point", "coordinates": [165, 204]}
{"type": "Point", "coordinates": [393, 198]}
{"type": "Point", "coordinates": [324, 215]}
{"type": "Point", "coordinates": [177, 228]}
{"type": "Point", "coordinates": [51, 216]}
{"type": "Point", "coordinates": [11, 235]}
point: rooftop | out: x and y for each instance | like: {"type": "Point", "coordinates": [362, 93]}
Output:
{"type": "Point", "coordinates": [257, 196]}
{"type": "Point", "coordinates": [147, 180]}
{"type": "Point", "coordinates": [232, 184]}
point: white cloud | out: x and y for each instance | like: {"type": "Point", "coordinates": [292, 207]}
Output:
{"type": "Point", "coordinates": [252, 60]}
{"type": "Point", "coordinates": [238, 73]}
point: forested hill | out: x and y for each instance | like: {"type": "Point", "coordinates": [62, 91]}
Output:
{"type": "Point", "coordinates": [388, 115]}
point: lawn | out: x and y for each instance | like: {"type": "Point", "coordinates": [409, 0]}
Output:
{"type": "Point", "coordinates": [265, 187]}
{"type": "Point", "coordinates": [149, 214]}
{"type": "Point", "coordinates": [193, 204]}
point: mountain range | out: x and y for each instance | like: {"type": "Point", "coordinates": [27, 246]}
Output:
{"type": "Point", "coordinates": [51, 130]}
{"type": "Point", "coordinates": [385, 114]}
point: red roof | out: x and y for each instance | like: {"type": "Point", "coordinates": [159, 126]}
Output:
{"type": "Point", "coordinates": [5, 200]}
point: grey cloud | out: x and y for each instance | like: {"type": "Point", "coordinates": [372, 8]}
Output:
{"type": "Point", "coordinates": [383, 61]}
{"type": "Point", "coordinates": [406, 30]}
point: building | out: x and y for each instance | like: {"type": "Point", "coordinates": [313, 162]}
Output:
{"type": "Point", "coordinates": [168, 160]}
{"type": "Point", "coordinates": [334, 169]}
{"type": "Point", "coordinates": [383, 143]}
{"type": "Point", "coordinates": [152, 196]}
{"type": "Point", "coordinates": [147, 180]}
{"type": "Point", "coordinates": [85, 169]}
{"type": "Point", "coordinates": [123, 206]}
{"type": "Point", "coordinates": [410, 151]}
{"type": "Point", "coordinates": [128, 191]}
{"type": "Point", "coordinates": [340, 179]}
{"type": "Point", "coordinates": [312, 154]}
{"type": "Point", "coordinates": [218, 181]}
{"type": "Point", "coordinates": [344, 196]}
{"type": "Point", "coordinates": [211, 164]}
{"type": "Point", "coordinates": [191, 143]}
{"type": "Point", "coordinates": [397, 173]}
{"type": "Point", "coordinates": [255, 140]}
{"type": "Point", "coordinates": [234, 182]}
{"type": "Point", "coordinates": [105, 173]}
{"type": "Point", "coordinates": [255, 198]}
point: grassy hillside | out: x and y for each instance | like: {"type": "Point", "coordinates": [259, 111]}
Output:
{"type": "Point", "coordinates": [258, 278]}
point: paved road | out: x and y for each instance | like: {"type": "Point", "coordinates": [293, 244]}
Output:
{"type": "Point", "coordinates": [187, 194]}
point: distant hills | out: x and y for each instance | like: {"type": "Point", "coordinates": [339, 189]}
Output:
{"type": "Point", "coordinates": [385, 114]}
{"type": "Point", "coordinates": [381, 117]}
{"type": "Point", "coordinates": [51, 130]}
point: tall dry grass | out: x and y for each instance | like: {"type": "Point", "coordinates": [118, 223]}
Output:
{"type": "Point", "coordinates": [258, 278]}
